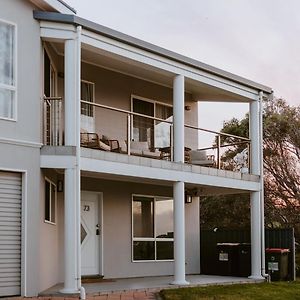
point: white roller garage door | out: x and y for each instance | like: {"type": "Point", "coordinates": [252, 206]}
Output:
{"type": "Point", "coordinates": [10, 233]}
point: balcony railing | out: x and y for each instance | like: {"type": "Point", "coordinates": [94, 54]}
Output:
{"type": "Point", "coordinates": [53, 121]}
{"type": "Point", "coordinates": [119, 130]}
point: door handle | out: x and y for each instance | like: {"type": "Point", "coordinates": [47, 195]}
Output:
{"type": "Point", "coordinates": [97, 229]}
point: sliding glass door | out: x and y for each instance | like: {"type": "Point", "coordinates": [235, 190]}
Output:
{"type": "Point", "coordinates": [156, 133]}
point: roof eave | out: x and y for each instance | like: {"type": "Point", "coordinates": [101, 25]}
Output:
{"type": "Point", "coordinates": [124, 38]}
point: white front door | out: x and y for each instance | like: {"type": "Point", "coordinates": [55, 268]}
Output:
{"type": "Point", "coordinates": [90, 233]}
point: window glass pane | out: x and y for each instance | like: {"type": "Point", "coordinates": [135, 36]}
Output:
{"type": "Point", "coordinates": [143, 128]}
{"type": "Point", "coordinates": [164, 218]}
{"type": "Point", "coordinates": [7, 54]}
{"type": "Point", "coordinates": [53, 202]}
{"type": "Point", "coordinates": [162, 130]}
{"type": "Point", "coordinates": [47, 64]}
{"type": "Point", "coordinates": [47, 201]}
{"type": "Point", "coordinates": [143, 225]}
{"type": "Point", "coordinates": [164, 250]}
{"type": "Point", "coordinates": [83, 233]}
{"type": "Point", "coordinates": [6, 103]}
{"type": "Point", "coordinates": [143, 250]}
{"type": "Point", "coordinates": [87, 95]}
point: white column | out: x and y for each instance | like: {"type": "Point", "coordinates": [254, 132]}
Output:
{"type": "Point", "coordinates": [179, 234]}
{"type": "Point", "coordinates": [254, 137]}
{"type": "Point", "coordinates": [255, 197]}
{"type": "Point", "coordinates": [70, 282]}
{"type": "Point", "coordinates": [70, 237]}
{"type": "Point", "coordinates": [70, 92]}
{"type": "Point", "coordinates": [178, 113]}
{"type": "Point", "coordinates": [255, 236]}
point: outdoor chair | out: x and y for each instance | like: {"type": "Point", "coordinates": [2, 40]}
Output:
{"type": "Point", "coordinates": [92, 140]}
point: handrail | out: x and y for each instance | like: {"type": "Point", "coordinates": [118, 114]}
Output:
{"type": "Point", "coordinates": [52, 98]}
{"type": "Point", "coordinates": [217, 132]}
{"type": "Point", "coordinates": [162, 120]}
{"type": "Point", "coordinates": [224, 145]}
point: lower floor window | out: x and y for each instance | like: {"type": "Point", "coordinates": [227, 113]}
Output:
{"type": "Point", "coordinates": [50, 201]}
{"type": "Point", "coordinates": [152, 219]}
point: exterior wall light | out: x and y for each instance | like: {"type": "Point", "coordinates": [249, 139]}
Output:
{"type": "Point", "coordinates": [60, 186]}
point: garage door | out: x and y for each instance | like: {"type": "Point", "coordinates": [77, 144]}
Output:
{"type": "Point", "coordinates": [10, 233]}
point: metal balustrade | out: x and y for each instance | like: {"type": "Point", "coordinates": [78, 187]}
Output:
{"type": "Point", "coordinates": [122, 131]}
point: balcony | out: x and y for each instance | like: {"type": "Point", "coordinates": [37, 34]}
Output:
{"type": "Point", "coordinates": [117, 131]}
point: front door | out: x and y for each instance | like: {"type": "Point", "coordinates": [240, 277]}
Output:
{"type": "Point", "coordinates": [90, 233]}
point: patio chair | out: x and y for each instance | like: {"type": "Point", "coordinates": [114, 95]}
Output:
{"type": "Point", "coordinates": [92, 140]}
{"type": "Point", "coordinates": [200, 158]}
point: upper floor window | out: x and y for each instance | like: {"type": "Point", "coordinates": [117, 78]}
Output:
{"type": "Point", "coordinates": [7, 70]}
{"type": "Point", "coordinates": [87, 94]}
{"type": "Point", "coordinates": [156, 132]}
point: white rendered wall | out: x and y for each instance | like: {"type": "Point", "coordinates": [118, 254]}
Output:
{"type": "Point", "coordinates": [25, 130]}
{"type": "Point", "coordinates": [117, 230]}
{"type": "Point", "coordinates": [49, 239]}
{"type": "Point", "coordinates": [115, 89]}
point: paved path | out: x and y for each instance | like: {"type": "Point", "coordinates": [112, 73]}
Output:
{"type": "Point", "coordinates": [112, 296]}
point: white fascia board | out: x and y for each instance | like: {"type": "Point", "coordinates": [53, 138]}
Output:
{"type": "Point", "coordinates": [57, 161]}
{"type": "Point", "coordinates": [57, 5]}
{"type": "Point", "coordinates": [124, 169]}
{"type": "Point", "coordinates": [133, 53]}
{"type": "Point", "coordinates": [53, 31]}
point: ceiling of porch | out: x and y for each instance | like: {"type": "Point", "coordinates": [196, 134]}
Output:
{"type": "Point", "coordinates": [104, 59]}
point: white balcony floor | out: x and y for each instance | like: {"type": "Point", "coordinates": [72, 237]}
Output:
{"type": "Point", "coordinates": [111, 165]}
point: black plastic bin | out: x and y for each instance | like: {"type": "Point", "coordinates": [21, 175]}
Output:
{"type": "Point", "coordinates": [228, 259]}
{"type": "Point", "coordinates": [277, 260]}
{"type": "Point", "coordinates": [244, 260]}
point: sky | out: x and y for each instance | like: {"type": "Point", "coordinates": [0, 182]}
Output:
{"type": "Point", "coordinates": [256, 39]}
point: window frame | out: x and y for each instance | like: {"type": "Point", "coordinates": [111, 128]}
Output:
{"type": "Point", "coordinates": [154, 102]}
{"type": "Point", "coordinates": [93, 100]}
{"type": "Point", "coordinates": [50, 202]}
{"type": "Point", "coordinates": [12, 88]}
{"type": "Point", "coordinates": [147, 239]}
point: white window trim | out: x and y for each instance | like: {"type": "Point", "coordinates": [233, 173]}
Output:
{"type": "Point", "coordinates": [146, 239]}
{"type": "Point", "coordinates": [55, 200]}
{"type": "Point", "coordinates": [9, 87]}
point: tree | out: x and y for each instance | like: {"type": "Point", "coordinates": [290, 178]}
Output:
{"type": "Point", "coordinates": [281, 162]}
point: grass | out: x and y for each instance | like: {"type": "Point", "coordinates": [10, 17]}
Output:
{"type": "Point", "coordinates": [261, 291]}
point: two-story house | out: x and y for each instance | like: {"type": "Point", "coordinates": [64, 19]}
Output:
{"type": "Point", "coordinates": [100, 166]}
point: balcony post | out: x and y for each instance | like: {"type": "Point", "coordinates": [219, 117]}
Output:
{"type": "Point", "coordinates": [178, 113]}
{"type": "Point", "coordinates": [179, 234]}
{"type": "Point", "coordinates": [70, 225]}
{"type": "Point", "coordinates": [255, 197]}
{"type": "Point", "coordinates": [70, 92]}
{"type": "Point", "coordinates": [254, 137]}
{"type": "Point", "coordinates": [178, 187]}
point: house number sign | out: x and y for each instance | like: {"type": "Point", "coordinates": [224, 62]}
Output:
{"type": "Point", "coordinates": [86, 208]}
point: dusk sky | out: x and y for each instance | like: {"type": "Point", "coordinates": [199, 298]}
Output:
{"type": "Point", "coordinates": [256, 39]}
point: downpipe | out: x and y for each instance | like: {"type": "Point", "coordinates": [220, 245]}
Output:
{"type": "Point", "coordinates": [78, 191]}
